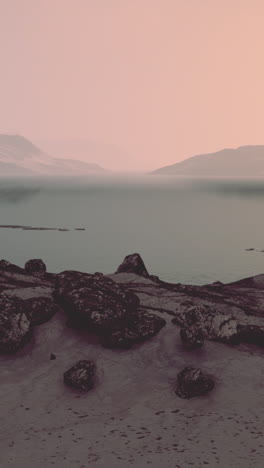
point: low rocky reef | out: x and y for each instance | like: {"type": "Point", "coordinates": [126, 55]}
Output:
{"type": "Point", "coordinates": [127, 308]}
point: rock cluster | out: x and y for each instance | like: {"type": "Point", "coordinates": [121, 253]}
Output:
{"type": "Point", "coordinates": [126, 309]}
{"type": "Point", "coordinates": [98, 304]}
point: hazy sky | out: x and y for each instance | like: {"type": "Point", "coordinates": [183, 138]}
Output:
{"type": "Point", "coordinates": [162, 79]}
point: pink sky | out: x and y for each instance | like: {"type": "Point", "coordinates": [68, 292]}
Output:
{"type": "Point", "coordinates": [161, 79]}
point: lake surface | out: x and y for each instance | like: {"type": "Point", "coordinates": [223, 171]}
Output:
{"type": "Point", "coordinates": [188, 231]}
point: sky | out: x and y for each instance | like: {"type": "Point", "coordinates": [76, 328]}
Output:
{"type": "Point", "coordinates": [161, 80]}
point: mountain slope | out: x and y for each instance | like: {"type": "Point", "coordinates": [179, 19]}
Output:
{"type": "Point", "coordinates": [20, 157]}
{"type": "Point", "coordinates": [240, 162]}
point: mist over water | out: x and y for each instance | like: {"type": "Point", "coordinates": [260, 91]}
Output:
{"type": "Point", "coordinates": [187, 230]}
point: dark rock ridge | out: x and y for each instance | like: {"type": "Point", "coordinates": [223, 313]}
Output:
{"type": "Point", "coordinates": [81, 376]}
{"type": "Point", "coordinates": [192, 383]}
{"type": "Point", "coordinates": [125, 308]}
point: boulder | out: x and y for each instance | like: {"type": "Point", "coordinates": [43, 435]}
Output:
{"type": "Point", "coordinates": [81, 375]}
{"type": "Point", "coordinates": [41, 309]}
{"type": "Point", "coordinates": [141, 327]}
{"type": "Point", "coordinates": [35, 267]}
{"type": "Point", "coordinates": [133, 264]}
{"type": "Point", "coordinates": [192, 337]}
{"type": "Point", "coordinates": [94, 302]}
{"type": "Point", "coordinates": [15, 324]}
{"type": "Point", "coordinates": [252, 334]}
{"type": "Point", "coordinates": [208, 321]}
{"type": "Point", "coordinates": [192, 382]}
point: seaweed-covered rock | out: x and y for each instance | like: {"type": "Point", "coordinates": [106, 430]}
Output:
{"type": "Point", "coordinates": [81, 375]}
{"type": "Point", "coordinates": [94, 302]}
{"type": "Point", "coordinates": [192, 337]}
{"type": "Point", "coordinates": [212, 324]}
{"type": "Point", "coordinates": [35, 267]}
{"type": "Point", "coordinates": [15, 324]}
{"type": "Point", "coordinates": [41, 309]}
{"type": "Point", "coordinates": [141, 327]}
{"type": "Point", "coordinates": [133, 264]}
{"type": "Point", "coordinates": [192, 382]}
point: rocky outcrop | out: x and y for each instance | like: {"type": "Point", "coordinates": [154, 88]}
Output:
{"type": "Point", "coordinates": [15, 324]}
{"type": "Point", "coordinates": [81, 375]}
{"type": "Point", "coordinates": [35, 267]}
{"type": "Point", "coordinates": [133, 264]}
{"type": "Point", "coordinates": [94, 302]}
{"type": "Point", "coordinates": [192, 337]}
{"type": "Point", "coordinates": [98, 304]}
{"type": "Point", "coordinates": [192, 383]}
{"type": "Point", "coordinates": [141, 327]}
{"type": "Point", "coordinates": [205, 320]}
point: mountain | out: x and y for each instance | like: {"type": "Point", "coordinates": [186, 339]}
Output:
{"type": "Point", "coordinates": [240, 162]}
{"type": "Point", "coordinates": [20, 157]}
{"type": "Point", "coordinates": [107, 154]}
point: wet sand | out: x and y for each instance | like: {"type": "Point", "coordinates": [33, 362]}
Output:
{"type": "Point", "coordinates": [132, 417]}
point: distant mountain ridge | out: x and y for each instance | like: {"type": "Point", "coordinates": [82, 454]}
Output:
{"type": "Point", "coordinates": [20, 157]}
{"type": "Point", "coordinates": [244, 161]}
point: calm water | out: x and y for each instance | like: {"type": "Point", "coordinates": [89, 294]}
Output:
{"type": "Point", "coordinates": [189, 231]}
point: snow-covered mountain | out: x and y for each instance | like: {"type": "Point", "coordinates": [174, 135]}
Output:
{"type": "Point", "coordinates": [20, 157]}
{"type": "Point", "coordinates": [245, 161]}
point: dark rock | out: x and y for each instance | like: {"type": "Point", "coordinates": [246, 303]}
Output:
{"type": "Point", "coordinates": [192, 337]}
{"type": "Point", "coordinates": [5, 265]}
{"type": "Point", "coordinates": [133, 264]}
{"type": "Point", "coordinates": [81, 375]}
{"type": "Point", "coordinates": [141, 327]}
{"type": "Point", "coordinates": [191, 383]}
{"type": "Point", "coordinates": [35, 267]}
{"type": "Point", "coordinates": [41, 309]}
{"type": "Point", "coordinates": [212, 324]}
{"type": "Point", "coordinates": [52, 357]}
{"type": "Point", "coordinates": [252, 334]}
{"type": "Point", "coordinates": [94, 302]}
{"type": "Point", "coordinates": [15, 324]}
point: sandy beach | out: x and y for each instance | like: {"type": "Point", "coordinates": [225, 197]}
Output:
{"type": "Point", "coordinates": [132, 417]}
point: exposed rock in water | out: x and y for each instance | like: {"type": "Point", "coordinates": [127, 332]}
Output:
{"type": "Point", "coordinates": [133, 264]}
{"type": "Point", "coordinates": [192, 382]}
{"type": "Point", "coordinates": [141, 327]}
{"type": "Point", "coordinates": [35, 267]}
{"type": "Point", "coordinates": [208, 321]}
{"type": "Point", "coordinates": [81, 375]}
{"type": "Point", "coordinates": [94, 302]}
{"type": "Point", "coordinates": [192, 337]}
{"type": "Point", "coordinates": [15, 324]}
